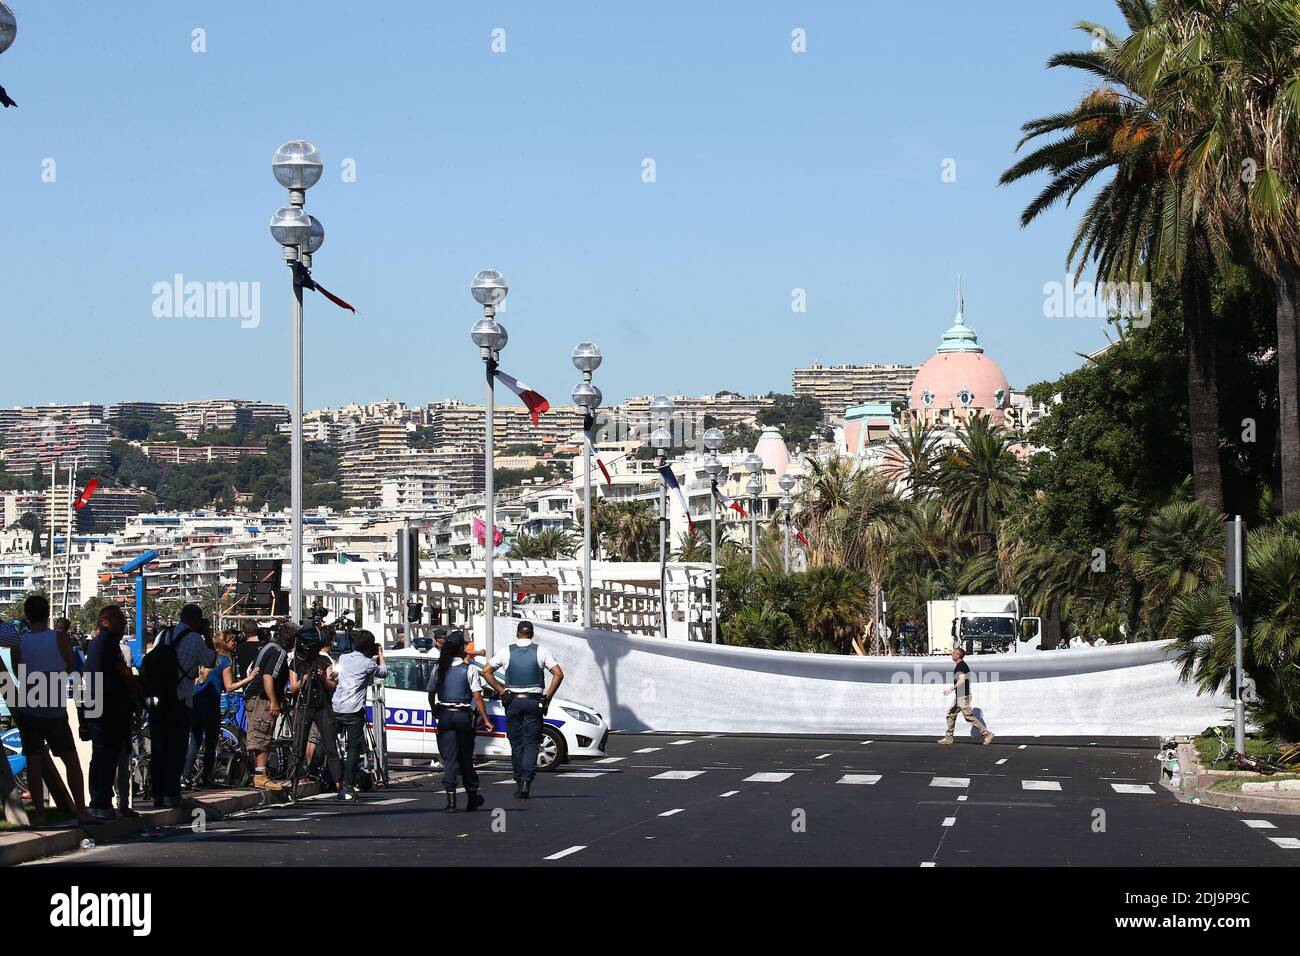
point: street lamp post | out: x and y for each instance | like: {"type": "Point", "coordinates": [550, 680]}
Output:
{"type": "Point", "coordinates": [586, 359]}
{"type": "Point", "coordinates": [661, 439]}
{"type": "Point", "coordinates": [297, 167]}
{"type": "Point", "coordinates": [786, 482]}
{"type": "Point", "coordinates": [754, 488]}
{"type": "Point", "coordinates": [489, 290]}
{"type": "Point", "coordinates": [713, 439]}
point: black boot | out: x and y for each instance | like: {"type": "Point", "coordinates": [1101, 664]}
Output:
{"type": "Point", "coordinates": [524, 787]}
{"type": "Point", "coordinates": [474, 800]}
{"type": "Point", "coordinates": [451, 800]}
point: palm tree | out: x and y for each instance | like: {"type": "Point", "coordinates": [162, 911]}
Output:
{"type": "Point", "coordinates": [821, 505]}
{"type": "Point", "coordinates": [633, 533]}
{"type": "Point", "coordinates": [833, 608]}
{"type": "Point", "coordinates": [979, 480]}
{"type": "Point", "coordinates": [911, 456]}
{"type": "Point", "coordinates": [758, 625]}
{"type": "Point", "coordinates": [1179, 552]}
{"type": "Point", "coordinates": [692, 546]}
{"type": "Point", "coordinates": [1148, 221]}
{"type": "Point", "coordinates": [548, 543]}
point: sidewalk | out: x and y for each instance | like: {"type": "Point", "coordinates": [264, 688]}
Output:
{"type": "Point", "coordinates": [1197, 784]}
{"type": "Point", "coordinates": [23, 846]}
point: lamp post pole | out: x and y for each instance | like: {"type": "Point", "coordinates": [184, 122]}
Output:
{"type": "Point", "coordinates": [754, 487]}
{"type": "Point", "coordinates": [586, 359]}
{"type": "Point", "coordinates": [713, 439]}
{"type": "Point", "coordinates": [489, 290]}
{"type": "Point", "coordinates": [297, 167]}
{"type": "Point", "coordinates": [786, 503]}
{"type": "Point", "coordinates": [661, 438]}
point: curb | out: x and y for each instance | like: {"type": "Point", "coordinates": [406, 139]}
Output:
{"type": "Point", "coordinates": [23, 846]}
{"type": "Point", "coordinates": [1196, 788]}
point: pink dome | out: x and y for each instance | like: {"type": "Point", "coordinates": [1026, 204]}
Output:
{"type": "Point", "coordinates": [771, 448]}
{"type": "Point", "coordinates": [959, 380]}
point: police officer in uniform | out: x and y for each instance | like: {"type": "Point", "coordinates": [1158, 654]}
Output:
{"type": "Point", "coordinates": [455, 693]}
{"type": "Point", "coordinates": [526, 665]}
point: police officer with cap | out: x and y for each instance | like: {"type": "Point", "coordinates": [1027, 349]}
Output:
{"type": "Point", "coordinates": [526, 665]}
{"type": "Point", "coordinates": [455, 693]}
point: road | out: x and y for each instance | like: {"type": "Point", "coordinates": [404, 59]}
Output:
{"type": "Point", "coordinates": [682, 800]}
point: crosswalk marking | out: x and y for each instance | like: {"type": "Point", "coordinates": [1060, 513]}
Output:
{"type": "Point", "coordinates": [949, 821]}
{"type": "Point", "coordinates": [1002, 761]}
{"type": "Point", "coordinates": [392, 801]}
{"type": "Point", "coordinates": [588, 774]}
{"type": "Point", "coordinates": [647, 750]}
{"type": "Point", "coordinates": [669, 813]}
{"type": "Point", "coordinates": [927, 864]}
{"type": "Point", "coordinates": [959, 782]}
{"type": "Point", "coordinates": [1040, 785]}
{"type": "Point", "coordinates": [1287, 843]}
{"type": "Point", "coordinates": [678, 743]}
{"type": "Point", "coordinates": [862, 779]}
{"type": "Point", "coordinates": [729, 793]}
{"type": "Point", "coordinates": [1022, 746]}
{"type": "Point", "coordinates": [610, 759]}
{"type": "Point", "coordinates": [767, 777]}
{"type": "Point", "coordinates": [1131, 788]}
{"type": "Point", "coordinates": [677, 775]}
{"type": "Point", "coordinates": [822, 757]}
{"type": "Point", "coordinates": [961, 796]}
{"type": "Point", "coordinates": [564, 853]}
{"type": "Point", "coordinates": [1259, 824]}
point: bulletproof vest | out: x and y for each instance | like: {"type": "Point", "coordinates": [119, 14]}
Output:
{"type": "Point", "coordinates": [523, 669]}
{"type": "Point", "coordinates": [454, 687]}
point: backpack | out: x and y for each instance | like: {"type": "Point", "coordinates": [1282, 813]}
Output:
{"type": "Point", "coordinates": [259, 665]}
{"type": "Point", "coordinates": [160, 670]}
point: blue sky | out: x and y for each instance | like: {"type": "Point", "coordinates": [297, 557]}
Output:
{"type": "Point", "coordinates": [774, 171]}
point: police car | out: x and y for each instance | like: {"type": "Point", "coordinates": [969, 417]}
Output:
{"type": "Point", "coordinates": [571, 731]}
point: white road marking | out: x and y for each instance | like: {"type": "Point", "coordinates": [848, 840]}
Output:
{"type": "Point", "coordinates": [865, 742]}
{"type": "Point", "coordinates": [961, 796]}
{"type": "Point", "coordinates": [1002, 761]}
{"type": "Point", "coordinates": [1259, 824]}
{"type": "Point", "coordinates": [863, 779]}
{"type": "Point", "coordinates": [647, 750]}
{"type": "Point", "coordinates": [678, 743]}
{"type": "Point", "coordinates": [610, 759]}
{"type": "Point", "coordinates": [822, 757]}
{"type": "Point", "coordinates": [669, 813]}
{"type": "Point", "coordinates": [564, 853]}
{"type": "Point", "coordinates": [1287, 843]}
{"type": "Point", "coordinates": [949, 821]}
{"type": "Point", "coordinates": [1022, 746]}
{"type": "Point", "coordinates": [392, 801]}
{"type": "Point", "coordinates": [927, 864]}
{"type": "Point", "coordinates": [324, 813]}
{"type": "Point", "coordinates": [677, 775]}
{"type": "Point", "coordinates": [1131, 788]}
{"type": "Point", "coordinates": [959, 782]}
{"type": "Point", "coordinates": [729, 793]}
{"type": "Point", "coordinates": [289, 819]}
{"type": "Point", "coordinates": [1040, 785]}
{"type": "Point", "coordinates": [587, 774]}
{"type": "Point", "coordinates": [767, 777]}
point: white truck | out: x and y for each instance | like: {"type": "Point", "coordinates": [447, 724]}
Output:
{"type": "Point", "coordinates": [982, 624]}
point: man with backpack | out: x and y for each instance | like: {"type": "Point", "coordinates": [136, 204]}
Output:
{"type": "Point", "coordinates": [168, 674]}
{"type": "Point", "coordinates": [263, 697]}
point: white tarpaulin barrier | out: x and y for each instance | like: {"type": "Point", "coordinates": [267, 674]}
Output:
{"type": "Point", "coordinates": [645, 683]}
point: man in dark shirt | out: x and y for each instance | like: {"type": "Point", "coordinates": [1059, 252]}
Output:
{"type": "Point", "coordinates": [961, 687]}
{"type": "Point", "coordinates": [118, 692]}
{"type": "Point", "coordinates": [263, 700]}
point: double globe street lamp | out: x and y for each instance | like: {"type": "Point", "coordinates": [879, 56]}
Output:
{"type": "Point", "coordinates": [8, 31]}
{"type": "Point", "coordinates": [661, 439]}
{"type": "Point", "coordinates": [586, 359]}
{"type": "Point", "coordinates": [297, 167]}
{"type": "Point", "coordinates": [489, 290]}
{"type": "Point", "coordinates": [786, 503]}
{"type": "Point", "coordinates": [753, 488]}
{"type": "Point", "coordinates": [713, 439]}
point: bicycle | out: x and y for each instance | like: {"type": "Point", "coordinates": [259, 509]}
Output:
{"type": "Point", "coordinates": [1260, 765]}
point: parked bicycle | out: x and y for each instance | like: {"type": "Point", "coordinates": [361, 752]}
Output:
{"type": "Point", "coordinates": [1285, 762]}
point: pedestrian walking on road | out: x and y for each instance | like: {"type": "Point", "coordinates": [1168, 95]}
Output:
{"type": "Point", "coordinates": [456, 696]}
{"type": "Point", "coordinates": [526, 665]}
{"type": "Point", "coordinates": [961, 687]}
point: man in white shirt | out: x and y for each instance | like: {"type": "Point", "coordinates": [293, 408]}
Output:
{"type": "Point", "coordinates": [526, 665]}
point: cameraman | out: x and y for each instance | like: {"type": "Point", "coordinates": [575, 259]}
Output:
{"type": "Point", "coordinates": [353, 674]}
{"type": "Point", "coordinates": [264, 696]}
{"type": "Point", "coordinates": [312, 685]}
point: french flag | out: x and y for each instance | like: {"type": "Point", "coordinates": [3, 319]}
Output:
{"type": "Point", "coordinates": [670, 480]}
{"type": "Point", "coordinates": [533, 399]}
{"type": "Point", "coordinates": [84, 497]}
{"type": "Point", "coordinates": [797, 533]}
{"type": "Point", "coordinates": [599, 464]}
{"type": "Point", "coordinates": [731, 503]}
